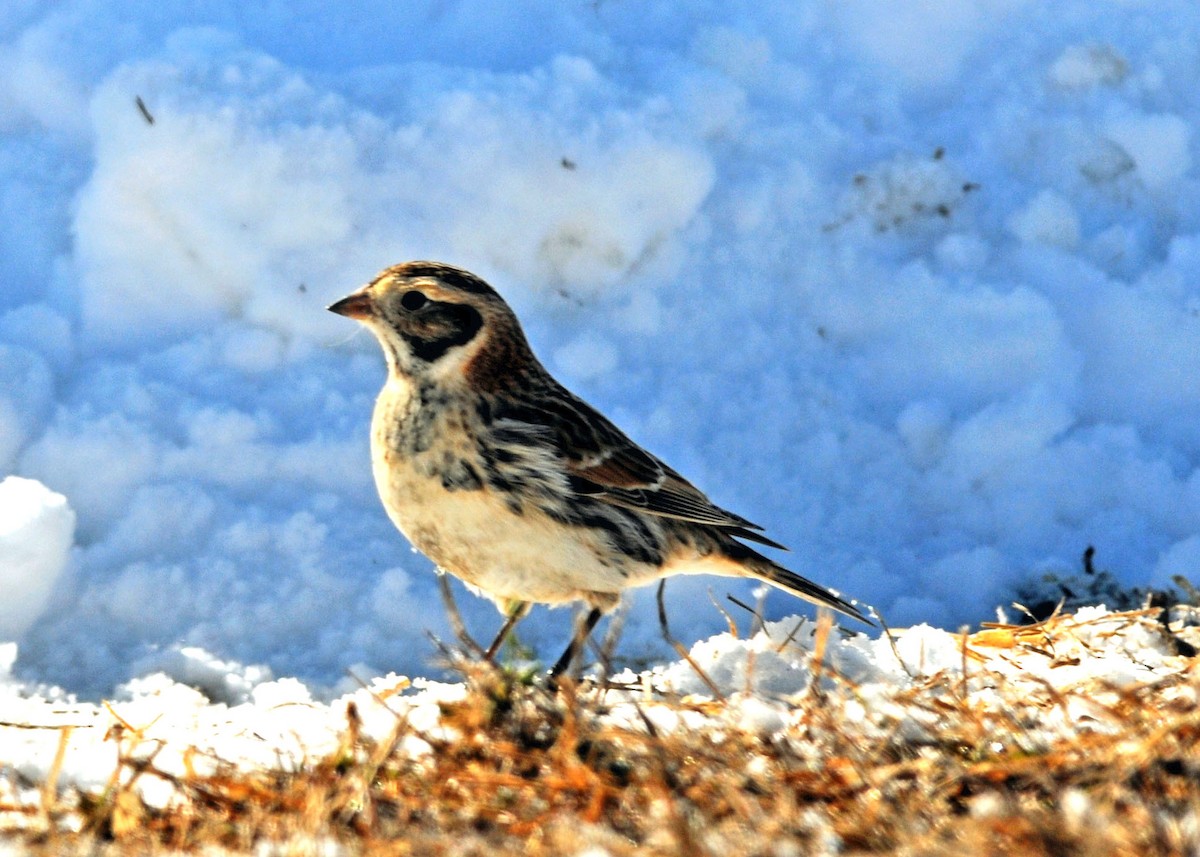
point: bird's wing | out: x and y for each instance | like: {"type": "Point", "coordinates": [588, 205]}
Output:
{"type": "Point", "coordinates": [602, 463]}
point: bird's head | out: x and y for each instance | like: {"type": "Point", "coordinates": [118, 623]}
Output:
{"type": "Point", "coordinates": [440, 322]}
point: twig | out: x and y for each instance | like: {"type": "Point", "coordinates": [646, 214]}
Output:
{"type": "Point", "coordinates": [455, 658]}
{"type": "Point", "coordinates": [733, 628]}
{"type": "Point", "coordinates": [820, 643]}
{"type": "Point", "coordinates": [11, 724]}
{"type": "Point", "coordinates": [50, 786]}
{"type": "Point", "coordinates": [456, 622]}
{"type": "Point", "coordinates": [758, 626]}
{"type": "Point", "coordinates": [604, 650]}
{"type": "Point", "coordinates": [760, 608]}
{"type": "Point", "coordinates": [752, 611]}
{"type": "Point", "coordinates": [787, 641]}
{"type": "Point", "coordinates": [678, 646]}
{"type": "Point", "coordinates": [877, 616]}
{"type": "Point", "coordinates": [964, 631]}
{"type": "Point", "coordinates": [403, 685]}
{"type": "Point", "coordinates": [1021, 608]}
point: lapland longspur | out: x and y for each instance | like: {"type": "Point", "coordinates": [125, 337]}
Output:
{"type": "Point", "coordinates": [508, 481]}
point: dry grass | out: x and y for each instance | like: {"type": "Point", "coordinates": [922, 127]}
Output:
{"type": "Point", "coordinates": [533, 772]}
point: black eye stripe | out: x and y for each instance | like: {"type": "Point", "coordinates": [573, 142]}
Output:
{"type": "Point", "coordinates": [457, 324]}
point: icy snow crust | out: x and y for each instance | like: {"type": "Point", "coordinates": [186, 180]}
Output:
{"type": "Point", "coordinates": [915, 287]}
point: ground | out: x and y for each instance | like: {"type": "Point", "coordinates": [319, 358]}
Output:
{"type": "Point", "coordinates": [1078, 734]}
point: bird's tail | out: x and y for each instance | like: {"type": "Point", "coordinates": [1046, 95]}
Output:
{"type": "Point", "coordinates": [757, 565]}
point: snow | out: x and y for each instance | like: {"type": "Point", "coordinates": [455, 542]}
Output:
{"type": "Point", "coordinates": [1158, 144]}
{"type": "Point", "coordinates": [36, 531]}
{"type": "Point", "coordinates": [914, 286]}
{"type": "Point", "coordinates": [1087, 66]}
{"type": "Point", "coordinates": [1048, 219]}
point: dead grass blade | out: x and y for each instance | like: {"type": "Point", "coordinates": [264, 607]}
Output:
{"type": "Point", "coordinates": [679, 647]}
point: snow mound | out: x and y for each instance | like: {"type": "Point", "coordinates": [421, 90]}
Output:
{"type": "Point", "coordinates": [37, 528]}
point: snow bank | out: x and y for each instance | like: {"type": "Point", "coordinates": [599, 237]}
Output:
{"type": "Point", "coordinates": [914, 287]}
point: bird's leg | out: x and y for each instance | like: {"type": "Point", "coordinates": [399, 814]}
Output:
{"type": "Point", "coordinates": [514, 612]}
{"type": "Point", "coordinates": [581, 634]}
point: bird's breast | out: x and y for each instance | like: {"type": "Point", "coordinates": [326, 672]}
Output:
{"type": "Point", "coordinates": [452, 500]}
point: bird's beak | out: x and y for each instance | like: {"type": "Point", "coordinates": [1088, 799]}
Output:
{"type": "Point", "coordinates": [357, 305]}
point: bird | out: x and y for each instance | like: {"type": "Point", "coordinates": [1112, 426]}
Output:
{"type": "Point", "coordinates": [516, 486]}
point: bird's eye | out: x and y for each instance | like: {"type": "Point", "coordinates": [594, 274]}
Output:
{"type": "Point", "coordinates": [413, 301]}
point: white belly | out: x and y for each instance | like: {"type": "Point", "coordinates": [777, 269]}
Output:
{"type": "Point", "coordinates": [474, 535]}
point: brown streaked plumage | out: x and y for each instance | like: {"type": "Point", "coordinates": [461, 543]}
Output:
{"type": "Point", "coordinates": [510, 482]}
